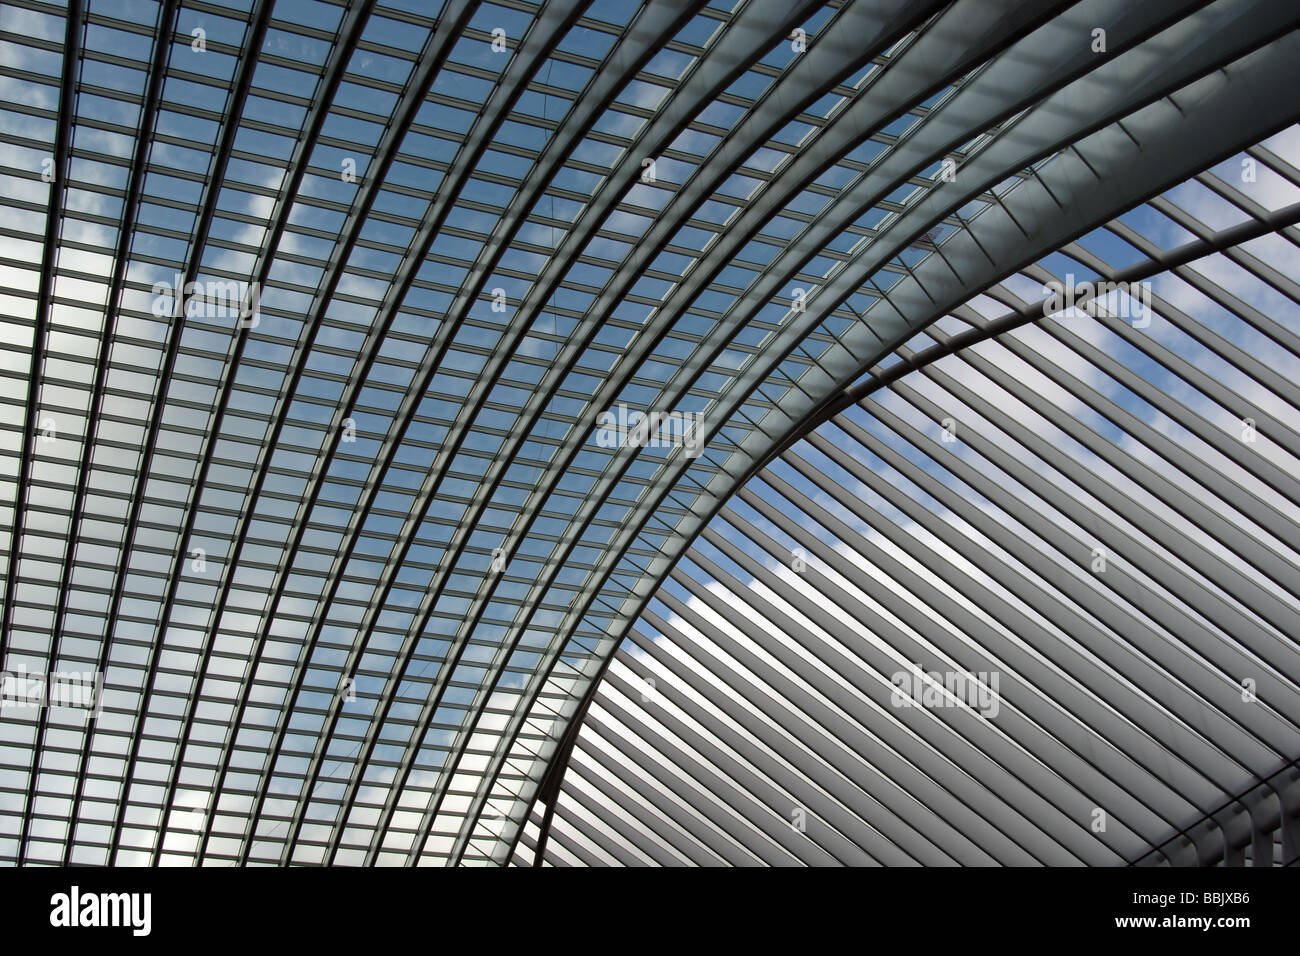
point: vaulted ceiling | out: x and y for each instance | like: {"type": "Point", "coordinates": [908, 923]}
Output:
{"type": "Point", "coordinates": [349, 549]}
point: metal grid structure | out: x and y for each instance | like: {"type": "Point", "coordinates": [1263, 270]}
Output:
{"type": "Point", "coordinates": [1095, 513]}
{"type": "Point", "coordinates": [344, 545]}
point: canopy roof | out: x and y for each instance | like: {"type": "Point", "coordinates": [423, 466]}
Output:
{"type": "Point", "coordinates": [340, 525]}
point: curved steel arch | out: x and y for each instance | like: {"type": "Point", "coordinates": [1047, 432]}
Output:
{"type": "Point", "coordinates": [882, 110]}
{"type": "Point", "coordinates": [591, 325]}
{"type": "Point", "coordinates": [633, 356]}
{"type": "Point", "coordinates": [44, 303]}
{"type": "Point", "coordinates": [348, 34]}
{"type": "Point", "coordinates": [432, 481]}
{"type": "Point", "coordinates": [1074, 720]}
{"type": "Point", "coordinates": [1071, 178]}
{"type": "Point", "coordinates": [535, 45]}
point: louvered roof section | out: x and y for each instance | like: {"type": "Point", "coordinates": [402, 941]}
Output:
{"type": "Point", "coordinates": [1096, 517]}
